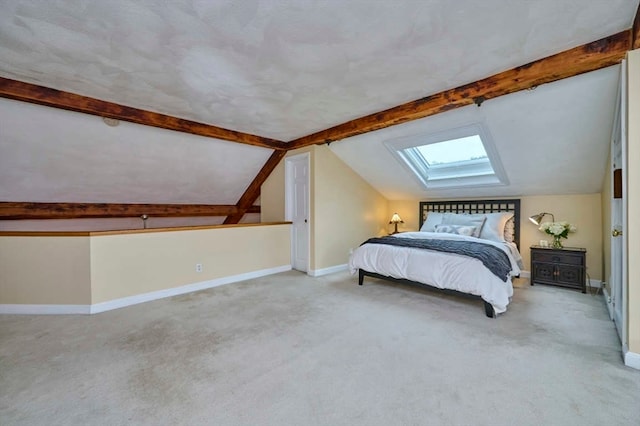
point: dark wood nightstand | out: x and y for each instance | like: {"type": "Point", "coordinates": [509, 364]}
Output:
{"type": "Point", "coordinates": [565, 267]}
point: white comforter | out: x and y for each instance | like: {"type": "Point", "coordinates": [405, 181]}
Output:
{"type": "Point", "coordinates": [438, 269]}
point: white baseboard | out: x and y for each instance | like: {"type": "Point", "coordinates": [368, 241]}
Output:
{"type": "Point", "coordinates": [595, 283]}
{"type": "Point", "coordinates": [326, 271]}
{"type": "Point", "coordinates": [607, 301]}
{"type": "Point", "coordinates": [189, 288]}
{"type": "Point", "coordinates": [138, 298]}
{"type": "Point", "coordinates": [631, 359]}
{"type": "Point", "coordinates": [45, 309]}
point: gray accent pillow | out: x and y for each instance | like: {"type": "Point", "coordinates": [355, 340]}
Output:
{"type": "Point", "coordinates": [476, 220]}
{"type": "Point", "coordinates": [457, 229]}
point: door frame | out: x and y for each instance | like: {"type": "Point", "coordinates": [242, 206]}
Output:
{"type": "Point", "coordinates": [609, 290]}
{"type": "Point", "coordinates": [625, 164]}
{"type": "Point", "coordinates": [611, 296]}
{"type": "Point", "coordinates": [288, 204]}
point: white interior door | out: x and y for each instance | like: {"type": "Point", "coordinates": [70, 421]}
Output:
{"type": "Point", "coordinates": [616, 300]}
{"type": "Point", "coordinates": [297, 208]}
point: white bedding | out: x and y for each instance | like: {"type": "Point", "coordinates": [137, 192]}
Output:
{"type": "Point", "coordinates": [438, 269]}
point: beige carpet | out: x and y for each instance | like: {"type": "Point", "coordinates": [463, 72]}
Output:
{"type": "Point", "coordinates": [294, 350]}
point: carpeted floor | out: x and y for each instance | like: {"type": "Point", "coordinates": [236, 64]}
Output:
{"type": "Point", "coordinates": [293, 350]}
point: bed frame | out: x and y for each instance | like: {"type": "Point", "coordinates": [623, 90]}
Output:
{"type": "Point", "coordinates": [465, 206]}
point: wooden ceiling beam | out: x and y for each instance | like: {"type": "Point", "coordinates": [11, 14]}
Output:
{"type": "Point", "coordinates": [588, 57]}
{"type": "Point", "coordinates": [26, 210]}
{"type": "Point", "coordinates": [27, 92]}
{"type": "Point", "coordinates": [635, 31]}
{"type": "Point", "coordinates": [252, 193]}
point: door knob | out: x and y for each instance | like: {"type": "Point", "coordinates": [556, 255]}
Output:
{"type": "Point", "coordinates": [616, 233]}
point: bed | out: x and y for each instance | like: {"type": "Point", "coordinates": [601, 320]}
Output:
{"type": "Point", "coordinates": [468, 247]}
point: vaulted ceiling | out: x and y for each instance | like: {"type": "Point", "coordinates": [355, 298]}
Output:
{"type": "Point", "coordinates": [283, 70]}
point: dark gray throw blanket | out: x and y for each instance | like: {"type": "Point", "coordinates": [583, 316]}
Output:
{"type": "Point", "coordinates": [492, 257]}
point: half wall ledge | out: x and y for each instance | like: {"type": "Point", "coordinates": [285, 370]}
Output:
{"type": "Point", "coordinates": [130, 231]}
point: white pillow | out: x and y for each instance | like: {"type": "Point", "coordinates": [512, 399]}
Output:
{"type": "Point", "coordinates": [457, 229]}
{"type": "Point", "coordinates": [476, 220]}
{"type": "Point", "coordinates": [493, 228]}
{"type": "Point", "coordinates": [433, 219]}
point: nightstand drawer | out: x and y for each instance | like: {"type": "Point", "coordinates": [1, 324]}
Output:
{"type": "Point", "coordinates": [557, 257]}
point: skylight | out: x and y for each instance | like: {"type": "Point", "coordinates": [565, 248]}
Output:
{"type": "Point", "coordinates": [459, 157]}
{"type": "Point", "coordinates": [447, 153]}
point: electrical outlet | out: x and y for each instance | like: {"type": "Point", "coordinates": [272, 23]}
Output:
{"type": "Point", "coordinates": [198, 267]}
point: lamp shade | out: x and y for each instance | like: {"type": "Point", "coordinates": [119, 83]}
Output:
{"type": "Point", "coordinates": [537, 218]}
{"type": "Point", "coordinates": [396, 218]}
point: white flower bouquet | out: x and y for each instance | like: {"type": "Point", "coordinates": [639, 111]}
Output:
{"type": "Point", "coordinates": [558, 230]}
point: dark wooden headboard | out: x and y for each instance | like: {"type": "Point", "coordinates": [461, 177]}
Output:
{"type": "Point", "coordinates": [474, 207]}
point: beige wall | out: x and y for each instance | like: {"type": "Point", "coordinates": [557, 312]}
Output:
{"type": "Point", "coordinates": [129, 264]}
{"type": "Point", "coordinates": [344, 211]}
{"type": "Point", "coordinates": [347, 210]}
{"type": "Point", "coordinates": [582, 210]}
{"type": "Point", "coordinates": [67, 270]}
{"type": "Point", "coordinates": [45, 271]}
{"type": "Point", "coordinates": [408, 211]}
{"type": "Point", "coordinates": [633, 200]}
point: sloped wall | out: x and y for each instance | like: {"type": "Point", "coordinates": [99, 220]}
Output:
{"type": "Point", "coordinates": [345, 209]}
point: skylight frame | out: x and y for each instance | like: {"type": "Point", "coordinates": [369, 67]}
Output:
{"type": "Point", "coordinates": [471, 174]}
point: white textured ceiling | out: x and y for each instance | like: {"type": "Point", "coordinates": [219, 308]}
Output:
{"type": "Point", "coordinates": [284, 69]}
